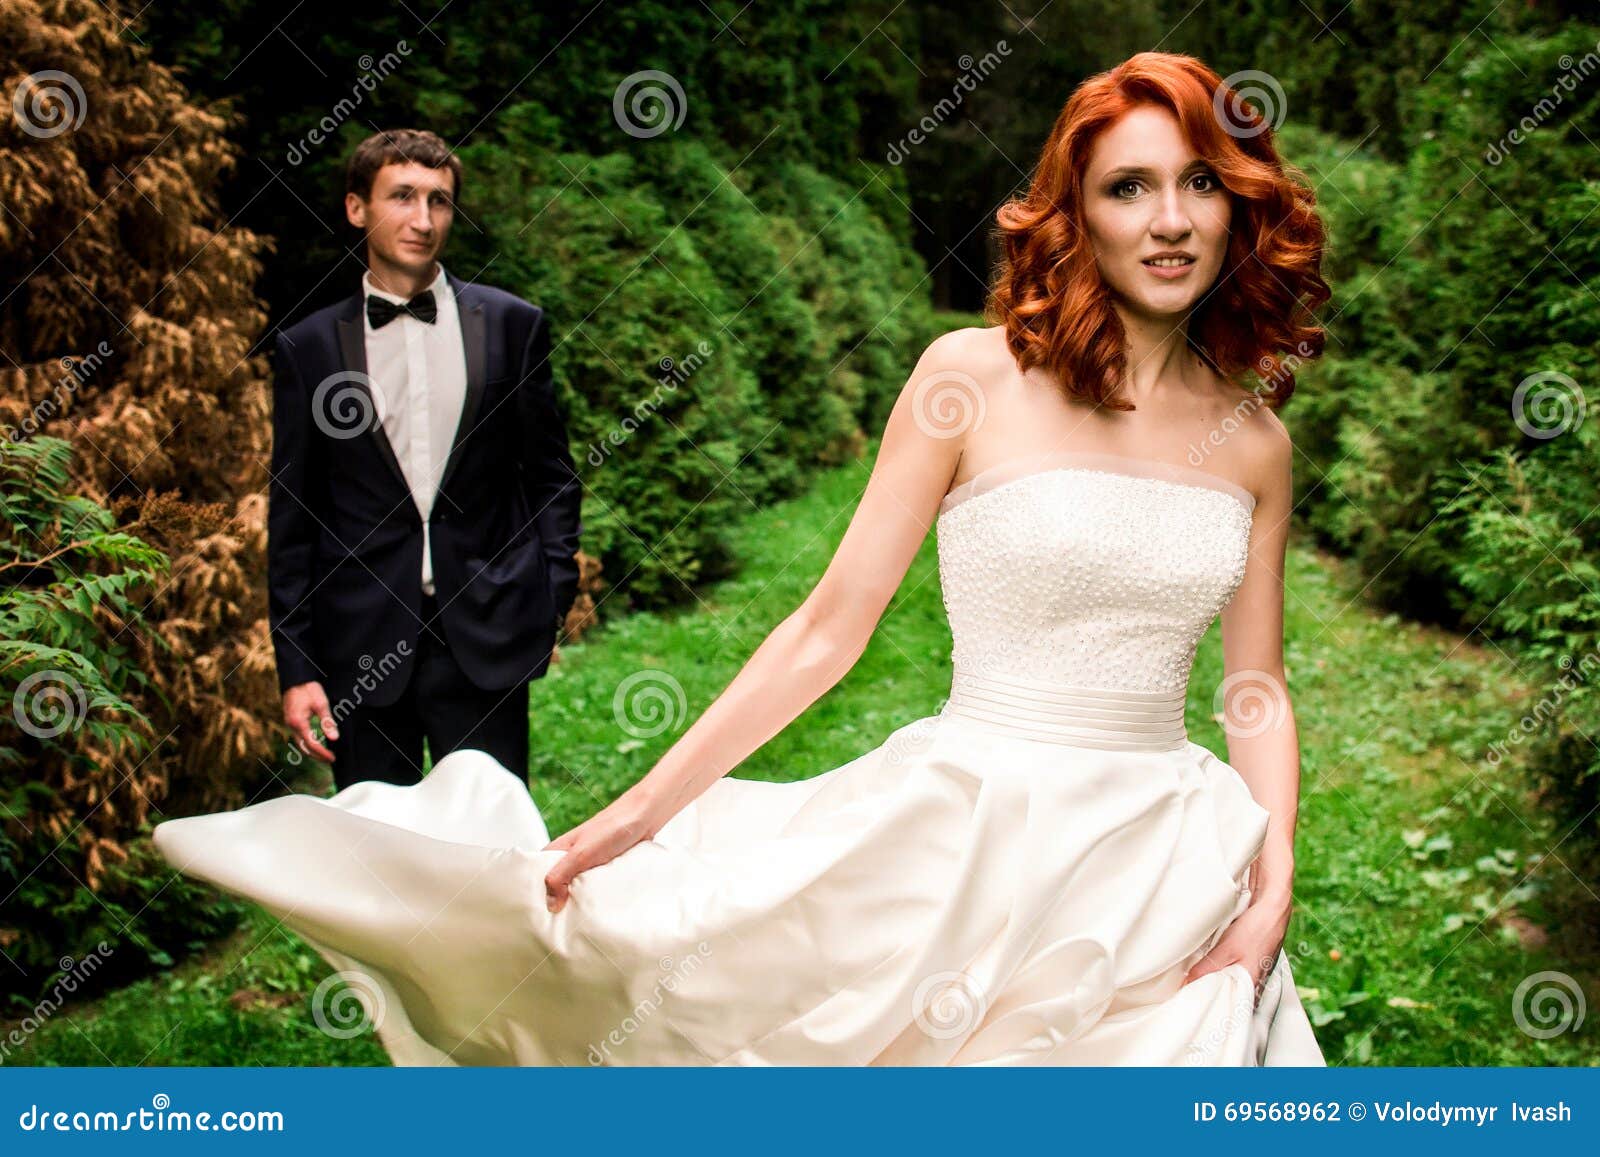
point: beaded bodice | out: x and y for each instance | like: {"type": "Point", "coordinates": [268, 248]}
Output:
{"type": "Point", "coordinates": [1096, 570]}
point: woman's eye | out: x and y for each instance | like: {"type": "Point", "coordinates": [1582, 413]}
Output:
{"type": "Point", "coordinates": [1210, 181]}
{"type": "Point", "coordinates": [1116, 190]}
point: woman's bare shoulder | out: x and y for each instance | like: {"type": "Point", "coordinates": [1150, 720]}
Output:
{"type": "Point", "coordinates": [965, 380]}
{"type": "Point", "coordinates": [977, 346]}
{"type": "Point", "coordinates": [974, 360]}
{"type": "Point", "coordinates": [1267, 449]}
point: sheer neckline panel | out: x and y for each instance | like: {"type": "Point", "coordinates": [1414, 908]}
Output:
{"type": "Point", "coordinates": [1097, 462]}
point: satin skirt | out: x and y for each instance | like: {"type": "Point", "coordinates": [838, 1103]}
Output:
{"type": "Point", "coordinates": [1021, 879]}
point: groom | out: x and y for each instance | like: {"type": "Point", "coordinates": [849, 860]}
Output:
{"type": "Point", "coordinates": [423, 520]}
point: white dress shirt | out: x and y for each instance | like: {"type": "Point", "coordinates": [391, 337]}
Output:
{"type": "Point", "coordinates": [419, 374]}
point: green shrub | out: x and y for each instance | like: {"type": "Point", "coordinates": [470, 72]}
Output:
{"type": "Point", "coordinates": [784, 308]}
{"type": "Point", "coordinates": [1454, 431]}
{"type": "Point", "coordinates": [69, 602]}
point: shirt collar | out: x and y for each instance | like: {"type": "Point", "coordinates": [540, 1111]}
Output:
{"type": "Point", "coordinates": [440, 287]}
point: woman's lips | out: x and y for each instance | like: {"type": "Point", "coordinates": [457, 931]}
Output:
{"type": "Point", "coordinates": [1169, 272]}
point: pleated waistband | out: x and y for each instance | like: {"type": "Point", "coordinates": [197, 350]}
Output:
{"type": "Point", "coordinates": [1064, 713]}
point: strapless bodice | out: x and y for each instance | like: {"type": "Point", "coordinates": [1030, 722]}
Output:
{"type": "Point", "coordinates": [1083, 572]}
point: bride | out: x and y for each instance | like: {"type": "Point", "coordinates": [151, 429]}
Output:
{"type": "Point", "coordinates": [1048, 871]}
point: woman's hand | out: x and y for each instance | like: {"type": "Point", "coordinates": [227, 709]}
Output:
{"type": "Point", "coordinates": [598, 840]}
{"type": "Point", "coordinates": [1252, 940]}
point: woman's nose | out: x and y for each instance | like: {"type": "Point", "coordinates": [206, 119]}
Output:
{"type": "Point", "coordinates": [1172, 219]}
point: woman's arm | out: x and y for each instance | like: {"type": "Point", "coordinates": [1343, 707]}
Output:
{"type": "Point", "coordinates": [1263, 745]}
{"type": "Point", "coordinates": [817, 644]}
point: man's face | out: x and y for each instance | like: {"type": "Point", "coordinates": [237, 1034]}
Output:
{"type": "Point", "coordinates": [408, 216]}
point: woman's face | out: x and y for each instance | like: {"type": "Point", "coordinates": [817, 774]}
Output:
{"type": "Point", "coordinates": [1147, 193]}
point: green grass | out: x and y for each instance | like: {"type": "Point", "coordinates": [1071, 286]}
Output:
{"type": "Point", "coordinates": [1429, 885]}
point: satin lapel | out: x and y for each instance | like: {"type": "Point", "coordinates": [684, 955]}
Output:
{"type": "Point", "coordinates": [353, 352]}
{"type": "Point", "coordinates": [474, 337]}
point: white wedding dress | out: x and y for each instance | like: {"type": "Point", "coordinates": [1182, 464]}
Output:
{"type": "Point", "coordinates": [1023, 878]}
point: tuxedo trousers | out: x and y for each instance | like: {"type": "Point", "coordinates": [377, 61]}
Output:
{"type": "Point", "coordinates": [440, 706]}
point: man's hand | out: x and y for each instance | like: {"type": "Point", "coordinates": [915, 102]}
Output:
{"type": "Point", "coordinates": [304, 704]}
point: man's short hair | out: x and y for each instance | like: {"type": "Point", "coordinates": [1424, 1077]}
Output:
{"type": "Point", "coordinates": [396, 147]}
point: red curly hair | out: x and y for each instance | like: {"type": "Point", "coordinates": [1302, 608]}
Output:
{"type": "Point", "coordinates": [1048, 292]}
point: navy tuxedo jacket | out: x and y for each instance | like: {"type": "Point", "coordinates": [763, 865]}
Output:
{"type": "Point", "coordinates": [344, 556]}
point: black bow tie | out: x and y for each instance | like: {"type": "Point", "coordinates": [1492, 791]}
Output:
{"type": "Point", "coordinates": [381, 311]}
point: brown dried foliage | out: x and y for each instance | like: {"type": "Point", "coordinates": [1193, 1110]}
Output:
{"type": "Point", "coordinates": [111, 234]}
